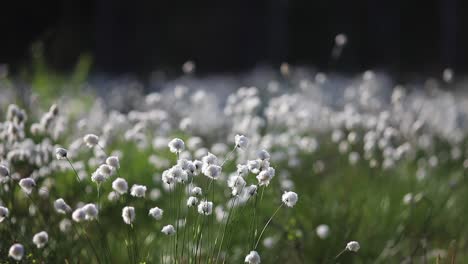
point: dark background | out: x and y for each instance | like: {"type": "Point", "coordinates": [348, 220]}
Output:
{"type": "Point", "coordinates": [401, 36]}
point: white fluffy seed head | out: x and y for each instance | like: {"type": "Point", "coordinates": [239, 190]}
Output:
{"type": "Point", "coordinates": [40, 239]}
{"type": "Point", "coordinates": [290, 198]}
{"type": "Point", "coordinates": [156, 213]}
{"type": "Point", "coordinates": [242, 170]}
{"type": "Point", "coordinates": [128, 214]}
{"type": "Point", "coordinates": [252, 258]}
{"type": "Point", "coordinates": [353, 246]}
{"type": "Point", "coordinates": [209, 159]}
{"type": "Point", "coordinates": [61, 206]}
{"type": "Point", "coordinates": [322, 231]}
{"type": "Point", "coordinates": [113, 161]}
{"type": "Point", "coordinates": [91, 140]}
{"type": "Point", "coordinates": [120, 185]}
{"type": "Point", "coordinates": [4, 212]}
{"type": "Point", "coordinates": [263, 155]}
{"type": "Point", "coordinates": [61, 153]}
{"type": "Point", "coordinates": [4, 171]}
{"type": "Point", "coordinates": [79, 215]}
{"type": "Point", "coordinates": [138, 190]}
{"type": "Point", "coordinates": [98, 177]}
{"type": "Point", "coordinates": [105, 169]}
{"type": "Point", "coordinates": [241, 141]}
{"type": "Point", "coordinates": [196, 191]}
{"type": "Point", "coordinates": [27, 184]}
{"type": "Point", "coordinates": [168, 230]}
{"type": "Point", "coordinates": [212, 171]}
{"type": "Point", "coordinates": [192, 201]}
{"type": "Point", "coordinates": [176, 145]}
{"type": "Point", "coordinates": [205, 208]}
{"type": "Point", "coordinates": [16, 252]}
{"type": "Point", "coordinates": [264, 178]}
{"type": "Point", "coordinates": [91, 211]}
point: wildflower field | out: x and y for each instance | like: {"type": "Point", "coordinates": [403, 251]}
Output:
{"type": "Point", "coordinates": [288, 167]}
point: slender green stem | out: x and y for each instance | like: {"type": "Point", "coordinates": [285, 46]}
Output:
{"type": "Point", "coordinates": [339, 254]}
{"type": "Point", "coordinates": [228, 156]}
{"type": "Point", "coordinates": [266, 225]}
{"type": "Point", "coordinates": [76, 173]}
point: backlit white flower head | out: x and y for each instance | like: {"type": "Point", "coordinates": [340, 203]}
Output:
{"type": "Point", "coordinates": [196, 191]}
{"type": "Point", "coordinates": [91, 211]}
{"type": "Point", "coordinates": [16, 252]}
{"type": "Point", "coordinates": [61, 206]}
{"type": "Point", "coordinates": [167, 177]}
{"type": "Point", "coordinates": [4, 212]}
{"type": "Point", "coordinates": [289, 198]}
{"type": "Point", "coordinates": [40, 239]}
{"type": "Point", "coordinates": [91, 140]}
{"type": "Point", "coordinates": [156, 213]}
{"type": "Point", "coordinates": [192, 201]}
{"type": "Point", "coordinates": [168, 230]}
{"type": "Point", "coordinates": [212, 171]}
{"type": "Point", "coordinates": [353, 246]}
{"type": "Point", "coordinates": [252, 258]}
{"type": "Point", "coordinates": [198, 167]}
{"type": "Point", "coordinates": [236, 183]}
{"type": "Point", "coordinates": [61, 153]}
{"type": "Point", "coordinates": [205, 208]}
{"type": "Point", "coordinates": [254, 166]}
{"type": "Point", "coordinates": [138, 190]}
{"type": "Point", "coordinates": [128, 214]}
{"type": "Point", "coordinates": [209, 159]}
{"type": "Point", "coordinates": [264, 177]}
{"type": "Point", "coordinates": [242, 170]}
{"type": "Point", "coordinates": [27, 184]}
{"type": "Point", "coordinates": [263, 155]}
{"type": "Point", "coordinates": [322, 231]}
{"type": "Point", "coordinates": [113, 161]}
{"type": "Point", "coordinates": [241, 141]}
{"type": "Point", "coordinates": [79, 215]}
{"type": "Point", "coordinates": [120, 185]}
{"type": "Point", "coordinates": [105, 170]}
{"type": "Point", "coordinates": [98, 177]}
{"type": "Point", "coordinates": [176, 145]}
{"type": "Point", "coordinates": [4, 171]}
{"type": "Point", "coordinates": [178, 174]}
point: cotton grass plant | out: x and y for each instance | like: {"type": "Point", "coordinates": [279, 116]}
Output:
{"type": "Point", "coordinates": [185, 177]}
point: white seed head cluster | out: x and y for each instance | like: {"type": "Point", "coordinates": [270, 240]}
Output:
{"type": "Point", "coordinates": [241, 141]}
{"type": "Point", "coordinates": [176, 145]}
{"type": "Point", "coordinates": [156, 213]}
{"type": "Point", "coordinates": [192, 201]}
{"type": "Point", "coordinates": [61, 153]}
{"type": "Point", "coordinates": [252, 258]}
{"type": "Point", "coordinates": [168, 230]}
{"type": "Point", "coordinates": [290, 198]}
{"type": "Point", "coordinates": [4, 212]}
{"type": "Point", "coordinates": [40, 239]}
{"type": "Point", "coordinates": [61, 206]}
{"type": "Point", "coordinates": [91, 140]}
{"type": "Point", "coordinates": [205, 208]}
{"type": "Point", "coordinates": [87, 212]}
{"type": "Point", "coordinates": [353, 246]}
{"type": "Point", "coordinates": [27, 185]}
{"type": "Point", "coordinates": [120, 185]}
{"type": "Point", "coordinates": [138, 190]}
{"type": "Point", "coordinates": [16, 252]}
{"type": "Point", "coordinates": [128, 214]}
{"type": "Point", "coordinates": [113, 161]}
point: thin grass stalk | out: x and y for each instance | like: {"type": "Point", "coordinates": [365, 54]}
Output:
{"type": "Point", "coordinates": [266, 225]}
